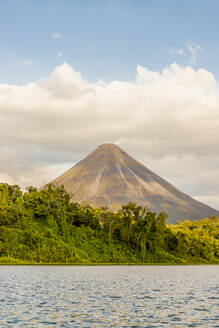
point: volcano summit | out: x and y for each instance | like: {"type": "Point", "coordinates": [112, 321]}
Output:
{"type": "Point", "coordinates": [110, 177]}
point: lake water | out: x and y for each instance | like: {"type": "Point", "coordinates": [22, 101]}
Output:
{"type": "Point", "coordinates": [109, 296]}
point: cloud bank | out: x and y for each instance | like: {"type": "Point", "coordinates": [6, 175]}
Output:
{"type": "Point", "coordinates": [168, 120]}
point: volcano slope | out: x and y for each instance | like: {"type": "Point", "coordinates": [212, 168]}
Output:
{"type": "Point", "coordinates": [109, 177]}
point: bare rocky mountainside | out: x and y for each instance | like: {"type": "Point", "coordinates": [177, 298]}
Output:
{"type": "Point", "coordinates": [110, 177]}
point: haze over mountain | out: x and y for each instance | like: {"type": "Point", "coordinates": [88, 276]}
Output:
{"type": "Point", "coordinates": [110, 177]}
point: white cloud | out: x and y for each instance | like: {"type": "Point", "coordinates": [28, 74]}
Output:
{"type": "Point", "coordinates": [193, 49]}
{"type": "Point", "coordinates": [169, 120]}
{"type": "Point", "coordinates": [28, 63]}
{"type": "Point", "coordinates": [190, 50]}
{"type": "Point", "coordinates": [60, 54]}
{"type": "Point", "coordinates": [120, 142]}
{"type": "Point", "coordinates": [56, 35]}
{"type": "Point", "coordinates": [180, 51]}
{"type": "Point", "coordinates": [176, 51]}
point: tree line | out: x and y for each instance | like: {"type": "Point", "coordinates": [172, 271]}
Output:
{"type": "Point", "coordinates": [44, 226]}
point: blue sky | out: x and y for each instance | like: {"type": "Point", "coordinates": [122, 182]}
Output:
{"type": "Point", "coordinates": [104, 39]}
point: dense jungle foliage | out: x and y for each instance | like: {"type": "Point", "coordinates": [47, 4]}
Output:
{"type": "Point", "coordinates": [43, 226]}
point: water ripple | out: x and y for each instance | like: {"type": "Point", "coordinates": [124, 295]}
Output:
{"type": "Point", "coordinates": [109, 296]}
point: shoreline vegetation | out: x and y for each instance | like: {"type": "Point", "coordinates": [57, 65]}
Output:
{"type": "Point", "coordinates": [43, 227]}
{"type": "Point", "coordinates": [15, 262]}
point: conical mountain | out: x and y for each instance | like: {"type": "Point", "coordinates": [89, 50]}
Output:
{"type": "Point", "coordinates": [110, 177]}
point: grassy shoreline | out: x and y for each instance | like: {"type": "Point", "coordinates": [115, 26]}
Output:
{"type": "Point", "coordinates": [23, 263]}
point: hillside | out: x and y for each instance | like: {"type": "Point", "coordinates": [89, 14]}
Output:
{"type": "Point", "coordinates": [109, 177]}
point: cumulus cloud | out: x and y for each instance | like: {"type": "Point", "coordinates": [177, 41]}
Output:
{"type": "Point", "coordinates": [56, 35]}
{"type": "Point", "coordinates": [168, 120]}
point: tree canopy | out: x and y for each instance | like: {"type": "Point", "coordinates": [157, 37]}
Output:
{"type": "Point", "coordinates": [44, 226]}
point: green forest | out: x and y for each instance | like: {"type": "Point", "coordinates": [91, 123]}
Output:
{"type": "Point", "coordinates": [45, 227]}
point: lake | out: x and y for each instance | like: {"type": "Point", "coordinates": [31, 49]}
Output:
{"type": "Point", "coordinates": [109, 296]}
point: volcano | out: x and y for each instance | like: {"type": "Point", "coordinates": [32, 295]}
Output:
{"type": "Point", "coordinates": [109, 177]}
